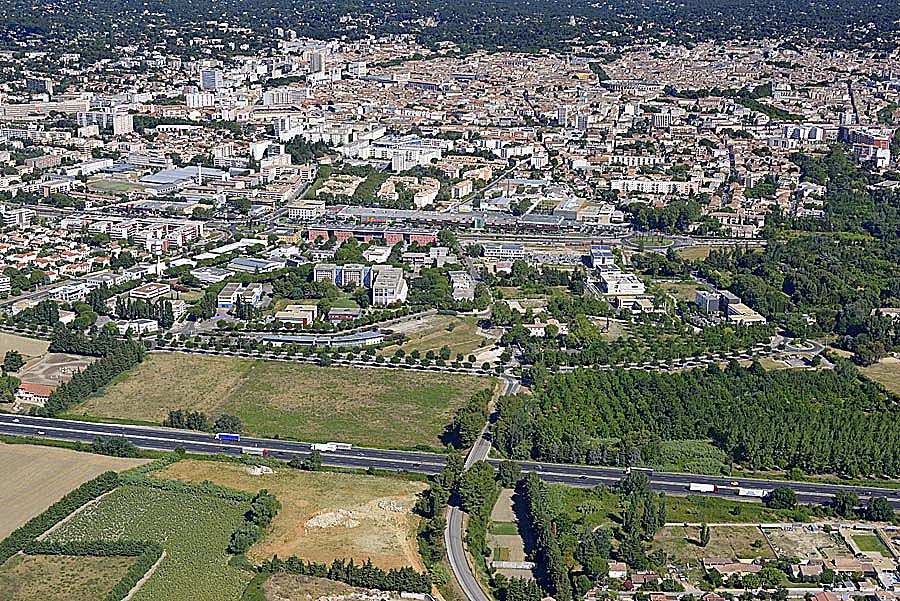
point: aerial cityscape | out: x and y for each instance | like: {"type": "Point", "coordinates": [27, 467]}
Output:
{"type": "Point", "coordinates": [432, 301]}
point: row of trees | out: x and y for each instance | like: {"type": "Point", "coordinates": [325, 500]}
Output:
{"type": "Point", "coordinates": [184, 419]}
{"type": "Point", "coordinates": [122, 356]}
{"type": "Point", "coordinates": [366, 575]}
{"type": "Point", "coordinates": [762, 419]}
{"type": "Point", "coordinates": [469, 420]}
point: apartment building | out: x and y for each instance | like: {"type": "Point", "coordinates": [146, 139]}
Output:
{"type": "Point", "coordinates": [389, 286]}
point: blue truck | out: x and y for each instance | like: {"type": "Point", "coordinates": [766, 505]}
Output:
{"type": "Point", "coordinates": [227, 436]}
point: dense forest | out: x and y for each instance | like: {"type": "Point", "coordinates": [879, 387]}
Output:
{"type": "Point", "coordinates": [818, 421]}
{"type": "Point", "coordinates": [94, 29]}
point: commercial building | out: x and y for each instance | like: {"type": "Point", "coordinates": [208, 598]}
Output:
{"type": "Point", "coordinates": [297, 314]}
{"type": "Point", "coordinates": [151, 291]}
{"type": "Point", "coordinates": [389, 286]}
{"type": "Point", "coordinates": [462, 284]}
{"type": "Point", "coordinates": [618, 283]}
{"type": "Point", "coordinates": [707, 301]}
{"type": "Point", "coordinates": [504, 252]}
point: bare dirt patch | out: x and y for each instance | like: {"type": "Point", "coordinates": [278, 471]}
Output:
{"type": "Point", "coordinates": [325, 516]}
{"type": "Point", "coordinates": [53, 369]}
{"type": "Point", "coordinates": [35, 477]}
{"type": "Point", "coordinates": [807, 542]}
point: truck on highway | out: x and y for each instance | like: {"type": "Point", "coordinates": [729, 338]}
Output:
{"type": "Point", "coordinates": [698, 487]}
{"type": "Point", "coordinates": [255, 451]}
{"type": "Point", "coordinates": [752, 492]}
{"type": "Point", "coordinates": [324, 447]}
{"type": "Point", "coordinates": [342, 446]}
{"type": "Point", "coordinates": [644, 470]}
{"type": "Point", "coordinates": [227, 436]}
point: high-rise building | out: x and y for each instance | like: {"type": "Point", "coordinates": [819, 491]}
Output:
{"type": "Point", "coordinates": [119, 123]}
{"type": "Point", "coordinates": [211, 79]}
{"type": "Point", "coordinates": [316, 62]}
{"type": "Point", "coordinates": [39, 84]}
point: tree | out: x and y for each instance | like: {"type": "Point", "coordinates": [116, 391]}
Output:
{"type": "Point", "coordinates": [508, 474]}
{"type": "Point", "coordinates": [782, 498]}
{"type": "Point", "coordinates": [228, 423]}
{"type": "Point", "coordinates": [845, 502]}
{"type": "Point", "coordinates": [880, 510]}
{"type": "Point", "coordinates": [704, 535]}
{"type": "Point", "coordinates": [313, 463]}
{"type": "Point", "coordinates": [13, 361]}
{"type": "Point", "coordinates": [117, 446]}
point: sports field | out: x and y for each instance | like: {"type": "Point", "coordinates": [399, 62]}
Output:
{"type": "Point", "coordinates": [376, 407]}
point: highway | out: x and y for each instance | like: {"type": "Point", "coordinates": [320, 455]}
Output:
{"type": "Point", "coordinates": [167, 439]}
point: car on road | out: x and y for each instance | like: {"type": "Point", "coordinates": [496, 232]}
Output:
{"type": "Point", "coordinates": [734, 483]}
{"type": "Point", "coordinates": [16, 420]}
{"type": "Point", "coordinates": [41, 432]}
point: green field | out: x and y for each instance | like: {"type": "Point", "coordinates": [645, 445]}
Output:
{"type": "Point", "coordinates": [870, 543]}
{"type": "Point", "coordinates": [376, 407]}
{"type": "Point", "coordinates": [504, 529]}
{"type": "Point", "coordinates": [60, 577]}
{"type": "Point", "coordinates": [602, 507]}
{"type": "Point", "coordinates": [193, 531]}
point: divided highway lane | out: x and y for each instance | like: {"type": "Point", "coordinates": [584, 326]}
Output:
{"type": "Point", "coordinates": [166, 439]}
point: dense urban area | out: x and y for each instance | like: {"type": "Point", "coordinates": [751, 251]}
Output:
{"type": "Point", "coordinates": [449, 302]}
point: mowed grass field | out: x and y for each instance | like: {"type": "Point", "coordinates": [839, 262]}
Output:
{"type": "Point", "coordinates": [60, 577]}
{"type": "Point", "coordinates": [352, 515]}
{"type": "Point", "coordinates": [35, 477]}
{"type": "Point", "coordinates": [194, 531]}
{"type": "Point", "coordinates": [376, 407]}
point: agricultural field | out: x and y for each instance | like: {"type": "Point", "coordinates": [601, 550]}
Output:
{"type": "Point", "coordinates": [886, 372]}
{"type": "Point", "coordinates": [35, 477]}
{"type": "Point", "coordinates": [682, 544]}
{"type": "Point", "coordinates": [29, 347]}
{"type": "Point", "coordinates": [375, 407]}
{"type": "Point", "coordinates": [325, 516]}
{"type": "Point", "coordinates": [60, 577]}
{"type": "Point", "coordinates": [193, 531]}
{"type": "Point", "coordinates": [291, 587]}
{"type": "Point", "coordinates": [436, 331]}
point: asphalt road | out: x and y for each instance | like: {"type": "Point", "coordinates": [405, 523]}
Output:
{"type": "Point", "coordinates": [166, 439]}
